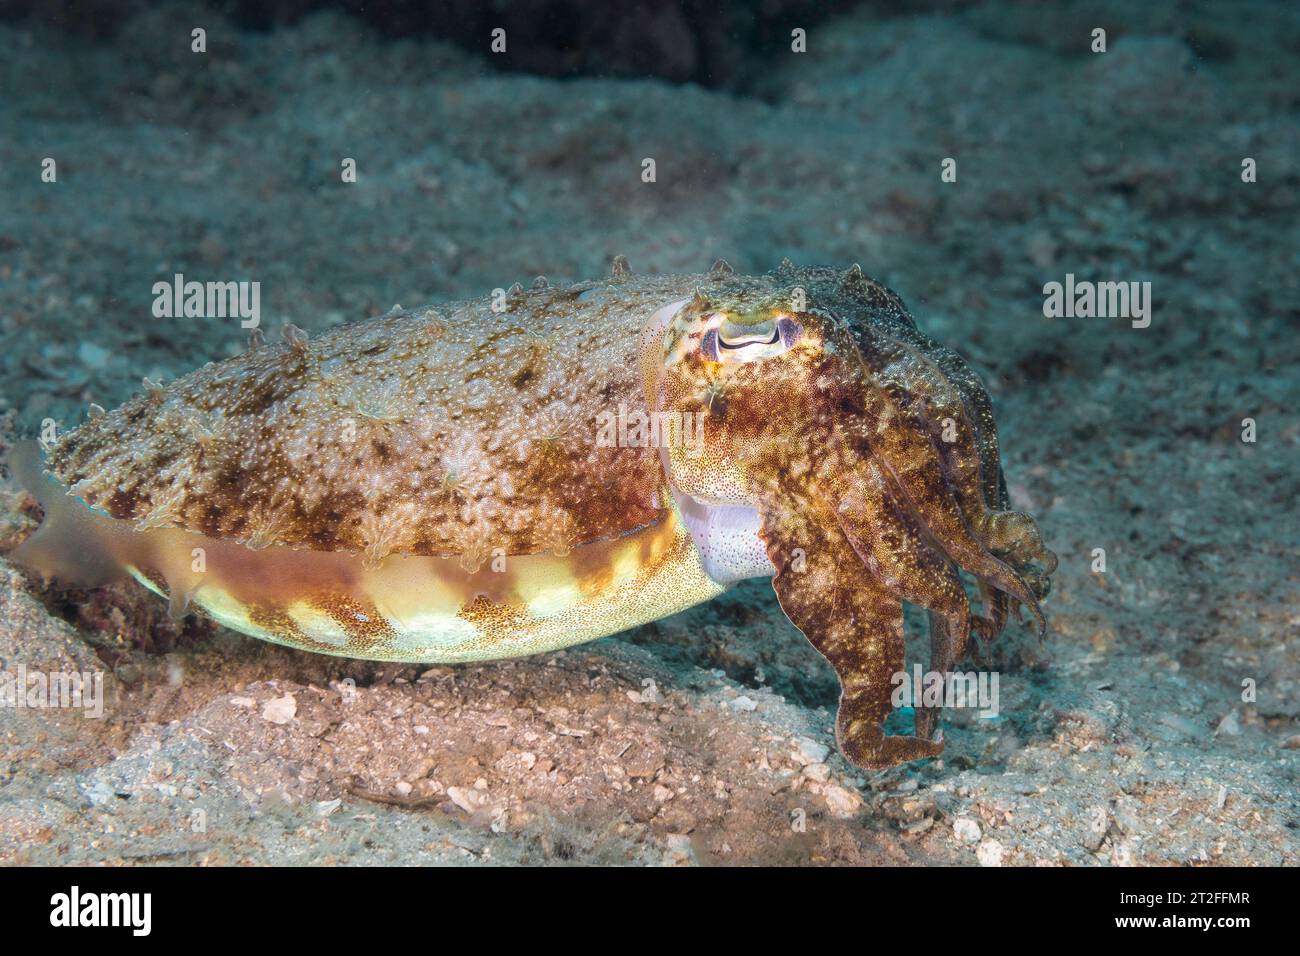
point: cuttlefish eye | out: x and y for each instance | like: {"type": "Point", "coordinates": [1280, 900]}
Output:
{"type": "Point", "coordinates": [728, 341]}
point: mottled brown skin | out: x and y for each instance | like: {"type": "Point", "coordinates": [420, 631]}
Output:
{"type": "Point", "coordinates": [840, 443]}
{"type": "Point", "coordinates": [414, 433]}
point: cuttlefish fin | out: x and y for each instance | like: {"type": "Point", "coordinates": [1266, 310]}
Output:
{"type": "Point", "coordinates": [853, 621]}
{"type": "Point", "coordinates": [73, 543]}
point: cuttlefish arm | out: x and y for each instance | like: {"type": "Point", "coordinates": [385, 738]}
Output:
{"type": "Point", "coordinates": [895, 548]}
{"type": "Point", "coordinates": [852, 619]}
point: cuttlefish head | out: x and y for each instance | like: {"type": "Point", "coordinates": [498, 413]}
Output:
{"type": "Point", "coordinates": [863, 459]}
{"type": "Point", "coordinates": [729, 367]}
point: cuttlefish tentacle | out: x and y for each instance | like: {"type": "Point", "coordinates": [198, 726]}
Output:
{"type": "Point", "coordinates": [980, 406]}
{"type": "Point", "coordinates": [1015, 534]}
{"type": "Point", "coordinates": [997, 608]}
{"type": "Point", "coordinates": [963, 447]}
{"type": "Point", "coordinates": [1017, 537]}
{"type": "Point", "coordinates": [896, 549]}
{"type": "Point", "coordinates": [944, 654]}
{"type": "Point", "coordinates": [937, 401]}
{"type": "Point", "coordinates": [997, 605]}
{"type": "Point", "coordinates": [1014, 537]}
{"type": "Point", "coordinates": [892, 432]}
{"type": "Point", "coordinates": [854, 622]}
{"type": "Point", "coordinates": [962, 444]}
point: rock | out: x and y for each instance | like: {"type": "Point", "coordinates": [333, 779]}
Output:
{"type": "Point", "coordinates": [817, 771]}
{"type": "Point", "coordinates": [681, 852]}
{"type": "Point", "coordinates": [469, 799]}
{"type": "Point", "coordinates": [808, 751]}
{"type": "Point", "coordinates": [917, 827]}
{"type": "Point", "coordinates": [280, 710]}
{"type": "Point", "coordinates": [966, 830]}
{"type": "Point", "coordinates": [843, 803]}
{"type": "Point", "coordinates": [1098, 824]}
{"type": "Point", "coordinates": [527, 760]}
{"type": "Point", "coordinates": [644, 759]}
{"type": "Point", "coordinates": [1229, 726]}
{"type": "Point", "coordinates": [100, 793]}
{"type": "Point", "coordinates": [990, 853]}
{"type": "Point", "coordinates": [1093, 720]}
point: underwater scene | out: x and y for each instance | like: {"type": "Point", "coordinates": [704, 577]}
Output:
{"type": "Point", "coordinates": [642, 434]}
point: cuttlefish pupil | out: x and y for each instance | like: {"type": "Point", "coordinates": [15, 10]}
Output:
{"type": "Point", "coordinates": [486, 520]}
{"type": "Point", "coordinates": [732, 337]}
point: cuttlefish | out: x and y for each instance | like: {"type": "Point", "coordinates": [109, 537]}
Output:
{"type": "Point", "coordinates": [551, 465]}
